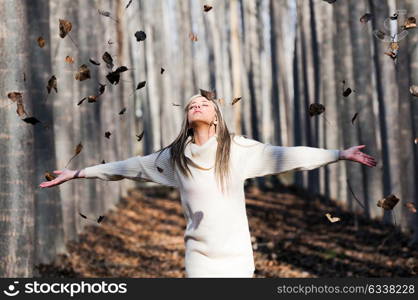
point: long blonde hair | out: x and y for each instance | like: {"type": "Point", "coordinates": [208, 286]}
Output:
{"type": "Point", "coordinates": [223, 138]}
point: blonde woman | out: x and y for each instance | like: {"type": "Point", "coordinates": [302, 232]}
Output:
{"type": "Point", "coordinates": [209, 166]}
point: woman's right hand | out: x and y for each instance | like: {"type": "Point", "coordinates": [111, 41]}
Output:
{"type": "Point", "coordinates": [64, 175]}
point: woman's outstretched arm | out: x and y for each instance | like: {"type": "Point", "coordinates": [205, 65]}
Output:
{"type": "Point", "coordinates": [265, 159]}
{"type": "Point", "coordinates": [147, 168]}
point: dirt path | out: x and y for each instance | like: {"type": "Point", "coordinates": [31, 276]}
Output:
{"type": "Point", "coordinates": [291, 237]}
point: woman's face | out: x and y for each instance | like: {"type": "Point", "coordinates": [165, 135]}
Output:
{"type": "Point", "coordinates": [201, 111]}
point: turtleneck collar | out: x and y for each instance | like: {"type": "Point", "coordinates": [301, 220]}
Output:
{"type": "Point", "coordinates": [203, 155]}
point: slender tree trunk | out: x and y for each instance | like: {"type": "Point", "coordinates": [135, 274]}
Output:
{"type": "Point", "coordinates": [16, 146]}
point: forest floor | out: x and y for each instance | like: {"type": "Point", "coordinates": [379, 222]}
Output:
{"type": "Point", "coordinates": [292, 237]}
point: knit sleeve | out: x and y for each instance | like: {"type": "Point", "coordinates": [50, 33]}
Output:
{"type": "Point", "coordinates": [138, 168]}
{"type": "Point", "coordinates": [265, 159]}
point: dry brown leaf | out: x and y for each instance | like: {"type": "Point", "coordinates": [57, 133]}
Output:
{"type": "Point", "coordinates": [83, 73]}
{"type": "Point", "coordinates": [316, 109]}
{"type": "Point", "coordinates": [41, 42]}
{"type": "Point", "coordinates": [69, 59]}
{"type": "Point", "coordinates": [235, 100]}
{"type": "Point", "coordinates": [140, 136]}
{"type": "Point", "coordinates": [411, 206]}
{"type": "Point", "coordinates": [65, 27]}
{"type": "Point", "coordinates": [193, 37]}
{"type": "Point", "coordinates": [388, 203]}
{"type": "Point", "coordinates": [411, 22]}
{"type": "Point", "coordinates": [210, 95]}
{"type": "Point", "coordinates": [207, 8]}
{"type": "Point", "coordinates": [413, 89]}
{"type": "Point", "coordinates": [332, 219]}
{"type": "Point", "coordinates": [52, 84]}
{"type": "Point", "coordinates": [49, 176]}
{"type": "Point", "coordinates": [366, 18]}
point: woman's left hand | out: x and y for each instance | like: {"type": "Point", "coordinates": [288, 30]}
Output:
{"type": "Point", "coordinates": [354, 154]}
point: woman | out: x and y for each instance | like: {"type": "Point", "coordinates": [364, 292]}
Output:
{"type": "Point", "coordinates": [209, 166]}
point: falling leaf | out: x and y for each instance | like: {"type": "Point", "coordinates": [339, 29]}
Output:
{"type": "Point", "coordinates": [411, 22]}
{"type": "Point", "coordinates": [411, 207]}
{"type": "Point", "coordinates": [101, 88]}
{"type": "Point", "coordinates": [175, 104]}
{"type": "Point", "coordinates": [366, 18]}
{"type": "Point", "coordinates": [162, 71]}
{"type": "Point", "coordinates": [108, 134]}
{"type": "Point", "coordinates": [379, 34]}
{"type": "Point", "coordinates": [69, 59]}
{"type": "Point", "coordinates": [110, 42]}
{"type": "Point", "coordinates": [207, 8]}
{"type": "Point", "coordinates": [41, 42]}
{"type": "Point", "coordinates": [235, 100]}
{"type": "Point", "coordinates": [141, 85]}
{"type": "Point", "coordinates": [52, 84]}
{"type": "Point", "coordinates": [388, 203]}
{"type": "Point", "coordinates": [122, 111]}
{"type": "Point", "coordinates": [330, 1]}
{"type": "Point", "coordinates": [394, 16]}
{"type": "Point", "coordinates": [113, 77]}
{"type": "Point", "coordinates": [354, 117]}
{"type": "Point", "coordinates": [91, 99]}
{"type": "Point", "coordinates": [15, 97]}
{"type": "Point", "coordinates": [140, 136]}
{"type": "Point", "coordinates": [83, 216]}
{"type": "Point", "coordinates": [316, 109]}
{"type": "Point", "coordinates": [77, 151]}
{"type": "Point", "coordinates": [121, 69]}
{"type": "Point", "coordinates": [106, 14]}
{"type": "Point", "coordinates": [394, 46]}
{"type": "Point", "coordinates": [94, 62]}
{"type": "Point", "coordinates": [108, 60]}
{"type": "Point", "coordinates": [31, 120]}
{"type": "Point", "coordinates": [20, 110]}
{"type": "Point", "coordinates": [347, 92]}
{"type": "Point", "coordinates": [140, 36]}
{"type": "Point", "coordinates": [100, 219]}
{"type": "Point", "coordinates": [65, 27]}
{"type": "Point", "coordinates": [391, 54]}
{"type": "Point", "coordinates": [210, 95]}
{"type": "Point", "coordinates": [129, 3]}
{"type": "Point", "coordinates": [159, 169]}
{"type": "Point", "coordinates": [81, 101]}
{"type": "Point", "coordinates": [332, 219]}
{"type": "Point", "coordinates": [413, 89]}
{"type": "Point", "coordinates": [193, 37]}
{"type": "Point", "coordinates": [49, 176]}
{"type": "Point", "coordinates": [83, 73]}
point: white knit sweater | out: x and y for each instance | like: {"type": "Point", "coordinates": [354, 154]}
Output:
{"type": "Point", "coordinates": [217, 237]}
